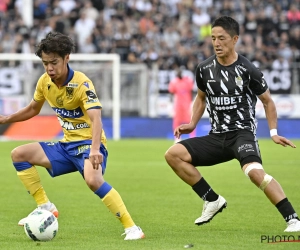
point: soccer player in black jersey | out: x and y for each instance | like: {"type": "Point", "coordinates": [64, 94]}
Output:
{"type": "Point", "coordinates": [228, 87]}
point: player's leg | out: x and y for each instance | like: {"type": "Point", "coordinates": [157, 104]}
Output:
{"type": "Point", "coordinates": [201, 151]}
{"type": "Point", "coordinates": [249, 156]}
{"type": "Point", "coordinates": [24, 159]}
{"type": "Point", "coordinates": [111, 198]}
{"type": "Point", "coordinates": [275, 194]}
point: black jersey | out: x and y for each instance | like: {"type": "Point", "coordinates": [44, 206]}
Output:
{"type": "Point", "coordinates": [230, 93]}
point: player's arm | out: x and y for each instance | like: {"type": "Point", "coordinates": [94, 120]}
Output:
{"type": "Point", "coordinates": [270, 109]}
{"type": "Point", "coordinates": [96, 157]}
{"type": "Point", "coordinates": [271, 115]}
{"type": "Point", "coordinates": [171, 87]}
{"type": "Point", "coordinates": [198, 109]}
{"type": "Point", "coordinates": [31, 110]}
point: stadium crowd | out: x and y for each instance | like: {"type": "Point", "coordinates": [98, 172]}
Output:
{"type": "Point", "coordinates": [169, 32]}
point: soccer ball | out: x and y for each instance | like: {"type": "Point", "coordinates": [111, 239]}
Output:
{"type": "Point", "coordinates": [41, 225]}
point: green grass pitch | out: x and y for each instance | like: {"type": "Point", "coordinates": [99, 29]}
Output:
{"type": "Point", "coordinates": [158, 201]}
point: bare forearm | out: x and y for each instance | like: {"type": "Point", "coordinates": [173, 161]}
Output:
{"type": "Point", "coordinates": [271, 114]}
{"type": "Point", "coordinates": [21, 115]}
{"type": "Point", "coordinates": [96, 134]}
{"type": "Point", "coordinates": [197, 110]}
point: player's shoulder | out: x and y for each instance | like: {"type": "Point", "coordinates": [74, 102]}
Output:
{"type": "Point", "coordinates": [207, 63]}
{"type": "Point", "coordinates": [242, 60]}
{"type": "Point", "coordinates": [44, 77]}
{"type": "Point", "coordinates": [80, 75]}
{"type": "Point", "coordinates": [81, 79]}
{"type": "Point", "coordinates": [44, 80]}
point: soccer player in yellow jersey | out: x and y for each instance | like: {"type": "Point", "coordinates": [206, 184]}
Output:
{"type": "Point", "coordinates": [72, 96]}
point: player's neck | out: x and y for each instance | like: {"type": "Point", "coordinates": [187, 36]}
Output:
{"type": "Point", "coordinates": [229, 59]}
{"type": "Point", "coordinates": [59, 82]}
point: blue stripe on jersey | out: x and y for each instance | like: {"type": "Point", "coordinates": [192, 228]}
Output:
{"type": "Point", "coordinates": [70, 75]}
{"type": "Point", "coordinates": [20, 166]}
{"type": "Point", "coordinates": [103, 190]}
{"type": "Point", "coordinates": [96, 107]}
{"type": "Point", "coordinates": [65, 113]}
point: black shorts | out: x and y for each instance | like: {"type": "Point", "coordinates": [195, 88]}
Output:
{"type": "Point", "coordinates": [217, 148]}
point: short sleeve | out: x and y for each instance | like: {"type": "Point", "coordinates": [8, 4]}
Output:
{"type": "Point", "coordinates": [199, 79]}
{"type": "Point", "coordinates": [257, 83]}
{"type": "Point", "coordinates": [88, 96]}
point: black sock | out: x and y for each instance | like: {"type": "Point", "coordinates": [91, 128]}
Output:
{"type": "Point", "coordinates": [286, 209]}
{"type": "Point", "coordinates": [204, 191]}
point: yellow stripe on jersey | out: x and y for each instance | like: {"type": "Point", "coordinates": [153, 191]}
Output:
{"type": "Point", "coordinates": [70, 103]}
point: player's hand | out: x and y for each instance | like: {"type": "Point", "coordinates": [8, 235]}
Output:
{"type": "Point", "coordinates": [95, 158]}
{"type": "Point", "coordinates": [183, 129]}
{"type": "Point", "coordinates": [283, 141]}
{"type": "Point", "coordinates": [2, 119]}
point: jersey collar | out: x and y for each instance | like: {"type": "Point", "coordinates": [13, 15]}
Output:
{"type": "Point", "coordinates": [70, 75]}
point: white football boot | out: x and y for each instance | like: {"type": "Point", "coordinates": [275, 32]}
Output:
{"type": "Point", "coordinates": [293, 225]}
{"type": "Point", "coordinates": [133, 233]}
{"type": "Point", "coordinates": [210, 209]}
{"type": "Point", "coordinates": [48, 206]}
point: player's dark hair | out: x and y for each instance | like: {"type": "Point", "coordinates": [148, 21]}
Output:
{"type": "Point", "coordinates": [228, 24]}
{"type": "Point", "coordinates": [55, 42]}
{"type": "Point", "coordinates": [179, 73]}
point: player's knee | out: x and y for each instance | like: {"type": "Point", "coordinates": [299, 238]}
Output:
{"type": "Point", "coordinates": [93, 183]}
{"type": "Point", "coordinates": [252, 167]}
{"type": "Point", "coordinates": [168, 155]}
{"type": "Point", "coordinates": [17, 155]}
{"type": "Point", "coordinates": [257, 175]}
{"type": "Point", "coordinates": [171, 156]}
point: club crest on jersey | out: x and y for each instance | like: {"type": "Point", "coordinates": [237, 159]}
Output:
{"type": "Point", "coordinates": [239, 81]}
{"type": "Point", "coordinates": [72, 85]}
{"type": "Point", "coordinates": [59, 101]}
{"type": "Point", "coordinates": [69, 92]}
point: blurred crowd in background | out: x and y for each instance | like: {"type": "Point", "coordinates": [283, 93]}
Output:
{"type": "Point", "coordinates": [172, 33]}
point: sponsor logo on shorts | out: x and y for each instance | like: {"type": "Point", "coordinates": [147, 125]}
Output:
{"type": "Point", "coordinates": [247, 147]}
{"type": "Point", "coordinates": [83, 148]}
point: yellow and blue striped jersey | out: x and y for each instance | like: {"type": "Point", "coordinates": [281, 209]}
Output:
{"type": "Point", "coordinates": [70, 103]}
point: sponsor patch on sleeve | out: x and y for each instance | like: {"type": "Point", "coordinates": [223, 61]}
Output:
{"type": "Point", "coordinates": [91, 95]}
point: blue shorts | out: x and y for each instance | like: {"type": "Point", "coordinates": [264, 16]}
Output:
{"type": "Point", "coordinates": [68, 157]}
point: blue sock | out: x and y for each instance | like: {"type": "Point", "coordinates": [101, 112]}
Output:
{"type": "Point", "coordinates": [20, 166]}
{"type": "Point", "coordinates": [103, 190]}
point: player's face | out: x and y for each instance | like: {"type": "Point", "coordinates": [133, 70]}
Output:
{"type": "Point", "coordinates": [222, 42]}
{"type": "Point", "coordinates": [56, 67]}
